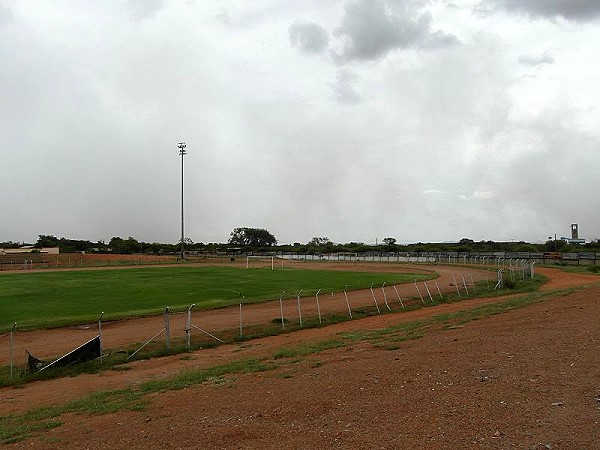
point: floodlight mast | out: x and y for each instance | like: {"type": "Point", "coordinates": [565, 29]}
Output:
{"type": "Point", "coordinates": [182, 152]}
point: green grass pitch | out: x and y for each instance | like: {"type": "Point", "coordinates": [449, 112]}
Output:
{"type": "Point", "coordinates": [48, 299]}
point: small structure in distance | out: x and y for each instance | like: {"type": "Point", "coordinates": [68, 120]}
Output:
{"type": "Point", "coordinates": [574, 239]}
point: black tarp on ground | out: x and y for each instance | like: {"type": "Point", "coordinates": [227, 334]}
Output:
{"type": "Point", "coordinates": [92, 349]}
{"type": "Point", "coordinates": [34, 364]}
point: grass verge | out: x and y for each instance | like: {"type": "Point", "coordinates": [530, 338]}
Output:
{"type": "Point", "coordinates": [52, 299]}
{"type": "Point", "coordinates": [17, 427]}
{"type": "Point", "coordinates": [115, 360]}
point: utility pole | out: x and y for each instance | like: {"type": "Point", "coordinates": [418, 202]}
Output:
{"type": "Point", "coordinates": [182, 152]}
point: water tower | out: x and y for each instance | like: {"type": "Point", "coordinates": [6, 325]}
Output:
{"type": "Point", "coordinates": [574, 231]}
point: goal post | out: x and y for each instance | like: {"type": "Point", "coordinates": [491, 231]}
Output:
{"type": "Point", "coordinates": [257, 261]}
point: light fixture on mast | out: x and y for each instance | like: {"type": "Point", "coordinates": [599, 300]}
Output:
{"type": "Point", "coordinates": [182, 152]}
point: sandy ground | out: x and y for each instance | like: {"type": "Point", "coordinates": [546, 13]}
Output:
{"type": "Point", "coordinates": [524, 379]}
{"type": "Point", "coordinates": [49, 344]}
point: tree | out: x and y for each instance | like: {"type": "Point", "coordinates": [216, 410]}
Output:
{"type": "Point", "coordinates": [65, 245]}
{"type": "Point", "coordinates": [556, 245]}
{"type": "Point", "coordinates": [47, 241]}
{"type": "Point", "coordinates": [389, 241]}
{"type": "Point", "coordinates": [319, 241]}
{"type": "Point", "coordinates": [124, 246]}
{"type": "Point", "coordinates": [524, 247]}
{"type": "Point", "coordinates": [254, 237]}
{"type": "Point", "coordinates": [9, 244]}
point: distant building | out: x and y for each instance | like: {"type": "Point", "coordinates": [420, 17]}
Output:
{"type": "Point", "coordinates": [29, 249]}
{"type": "Point", "coordinates": [574, 239]}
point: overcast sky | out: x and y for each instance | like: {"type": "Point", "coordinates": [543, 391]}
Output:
{"type": "Point", "coordinates": [352, 119]}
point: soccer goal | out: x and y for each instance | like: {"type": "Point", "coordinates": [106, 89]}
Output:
{"type": "Point", "coordinates": [257, 261]}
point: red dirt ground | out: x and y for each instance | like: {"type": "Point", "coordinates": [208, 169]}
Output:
{"type": "Point", "coordinates": [524, 379]}
{"type": "Point", "coordinates": [48, 344]}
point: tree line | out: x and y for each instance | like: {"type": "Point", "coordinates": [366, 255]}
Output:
{"type": "Point", "coordinates": [246, 239]}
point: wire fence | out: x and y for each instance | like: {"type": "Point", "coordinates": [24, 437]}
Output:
{"type": "Point", "coordinates": [191, 328]}
{"type": "Point", "coordinates": [31, 261]}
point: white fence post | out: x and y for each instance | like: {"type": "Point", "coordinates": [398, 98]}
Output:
{"type": "Point", "coordinates": [318, 306]}
{"type": "Point", "coordinates": [100, 334]}
{"type": "Point", "coordinates": [465, 284]}
{"type": "Point", "coordinates": [299, 308]}
{"type": "Point", "coordinates": [385, 296]}
{"type": "Point", "coordinates": [281, 310]}
{"type": "Point", "coordinates": [399, 299]}
{"type": "Point", "coordinates": [11, 350]}
{"type": "Point", "coordinates": [428, 293]}
{"type": "Point", "coordinates": [347, 302]}
{"type": "Point", "coordinates": [375, 299]}
{"type": "Point", "coordinates": [167, 328]}
{"type": "Point", "coordinates": [419, 291]}
{"type": "Point", "coordinates": [456, 285]}
{"type": "Point", "coordinates": [241, 321]}
{"type": "Point", "coordinates": [188, 325]}
{"type": "Point", "coordinates": [438, 289]}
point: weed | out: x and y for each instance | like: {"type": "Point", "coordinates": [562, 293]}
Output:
{"type": "Point", "coordinates": [308, 349]}
{"type": "Point", "coordinates": [73, 297]}
{"type": "Point", "coordinates": [16, 427]}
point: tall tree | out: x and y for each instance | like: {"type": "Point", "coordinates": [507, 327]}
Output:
{"type": "Point", "coordinates": [47, 240]}
{"type": "Point", "coordinates": [253, 237]}
{"type": "Point", "coordinates": [318, 241]}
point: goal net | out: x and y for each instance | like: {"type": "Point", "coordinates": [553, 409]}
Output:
{"type": "Point", "coordinates": [266, 262]}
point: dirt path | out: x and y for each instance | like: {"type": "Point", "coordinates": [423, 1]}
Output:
{"type": "Point", "coordinates": [525, 379]}
{"type": "Point", "coordinates": [125, 332]}
{"type": "Point", "coordinates": [48, 344]}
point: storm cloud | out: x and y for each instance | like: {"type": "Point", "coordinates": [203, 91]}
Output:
{"type": "Point", "coordinates": [369, 29]}
{"type": "Point", "coordinates": [576, 10]}
{"type": "Point", "coordinates": [344, 87]}
{"type": "Point", "coordinates": [356, 120]}
{"type": "Point", "coordinates": [144, 9]}
{"type": "Point", "coordinates": [308, 37]}
{"type": "Point", "coordinates": [536, 60]}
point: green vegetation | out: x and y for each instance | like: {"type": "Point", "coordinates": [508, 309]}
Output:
{"type": "Point", "coordinates": [16, 427]}
{"type": "Point", "coordinates": [253, 237]}
{"type": "Point", "coordinates": [42, 300]}
{"type": "Point", "coordinates": [116, 358]}
{"type": "Point", "coordinates": [584, 269]}
{"type": "Point", "coordinates": [256, 240]}
{"type": "Point", "coordinates": [308, 349]}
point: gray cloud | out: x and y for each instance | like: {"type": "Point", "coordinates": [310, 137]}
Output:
{"type": "Point", "coordinates": [145, 9]}
{"type": "Point", "coordinates": [308, 37]}
{"type": "Point", "coordinates": [6, 16]}
{"type": "Point", "coordinates": [344, 88]}
{"type": "Point", "coordinates": [536, 60]}
{"type": "Point", "coordinates": [427, 146]}
{"type": "Point", "coordinates": [571, 157]}
{"type": "Point", "coordinates": [370, 29]}
{"type": "Point", "coordinates": [575, 10]}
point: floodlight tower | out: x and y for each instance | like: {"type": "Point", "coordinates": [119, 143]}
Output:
{"type": "Point", "coordinates": [182, 152]}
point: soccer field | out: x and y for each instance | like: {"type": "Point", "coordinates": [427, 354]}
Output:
{"type": "Point", "coordinates": [48, 299]}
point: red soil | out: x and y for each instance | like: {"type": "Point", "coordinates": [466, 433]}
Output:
{"type": "Point", "coordinates": [523, 379]}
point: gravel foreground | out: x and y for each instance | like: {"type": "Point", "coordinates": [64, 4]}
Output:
{"type": "Point", "coordinates": [525, 379]}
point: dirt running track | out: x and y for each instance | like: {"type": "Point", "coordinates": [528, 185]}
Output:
{"type": "Point", "coordinates": [524, 379]}
{"type": "Point", "coordinates": [49, 344]}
